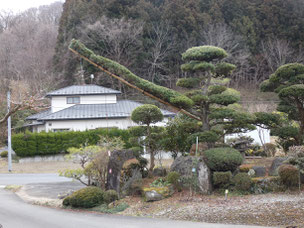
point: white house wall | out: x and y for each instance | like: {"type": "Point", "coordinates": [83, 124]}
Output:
{"type": "Point", "coordinates": [257, 135]}
{"type": "Point", "coordinates": [98, 99]}
{"type": "Point", "coordinates": [82, 125]}
{"type": "Point", "coordinates": [60, 102]}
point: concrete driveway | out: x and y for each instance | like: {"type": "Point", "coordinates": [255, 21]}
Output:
{"type": "Point", "coordinates": [21, 179]}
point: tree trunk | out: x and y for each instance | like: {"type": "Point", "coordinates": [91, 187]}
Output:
{"type": "Point", "coordinates": [152, 162]}
{"type": "Point", "coordinates": [148, 148]}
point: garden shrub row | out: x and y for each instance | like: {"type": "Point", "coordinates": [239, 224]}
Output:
{"type": "Point", "coordinates": [32, 144]}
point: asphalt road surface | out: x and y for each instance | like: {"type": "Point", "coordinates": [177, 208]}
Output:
{"type": "Point", "coordinates": [14, 213]}
{"type": "Point", "coordinates": [20, 179]}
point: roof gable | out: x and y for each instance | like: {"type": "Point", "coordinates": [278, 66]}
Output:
{"type": "Point", "coordinates": [82, 90]}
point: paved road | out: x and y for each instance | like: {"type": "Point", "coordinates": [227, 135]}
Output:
{"type": "Point", "coordinates": [20, 179]}
{"type": "Point", "coordinates": [14, 213]}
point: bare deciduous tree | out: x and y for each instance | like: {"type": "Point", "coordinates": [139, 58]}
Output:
{"type": "Point", "coordinates": [22, 99]}
{"type": "Point", "coordinates": [278, 52]}
{"type": "Point", "coordinates": [117, 39]}
{"type": "Point", "coordinates": [162, 44]}
{"type": "Point", "coordinates": [220, 35]}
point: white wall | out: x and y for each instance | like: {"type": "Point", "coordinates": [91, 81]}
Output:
{"type": "Point", "coordinates": [98, 99]}
{"type": "Point", "coordinates": [256, 134]}
{"type": "Point", "coordinates": [60, 102]}
{"type": "Point", "coordinates": [82, 125]}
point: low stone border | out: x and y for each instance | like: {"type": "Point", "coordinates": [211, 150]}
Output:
{"type": "Point", "coordinates": [38, 200]}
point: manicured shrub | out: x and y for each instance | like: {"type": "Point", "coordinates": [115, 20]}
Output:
{"type": "Point", "coordinates": [223, 159]}
{"type": "Point", "coordinates": [32, 144]}
{"type": "Point", "coordinates": [3, 154]}
{"type": "Point", "coordinates": [242, 182]}
{"type": "Point", "coordinates": [222, 179]}
{"type": "Point", "coordinates": [289, 175]}
{"type": "Point", "coordinates": [110, 196]}
{"type": "Point", "coordinates": [85, 198]}
{"type": "Point", "coordinates": [266, 184]}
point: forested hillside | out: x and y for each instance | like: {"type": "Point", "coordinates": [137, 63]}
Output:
{"type": "Point", "coordinates": [148, 36]}
{"type": "Point", "coordinates": [27, 47]}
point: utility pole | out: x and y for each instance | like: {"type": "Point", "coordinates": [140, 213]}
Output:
{"type": "Point", "coordinates": [9, 133]}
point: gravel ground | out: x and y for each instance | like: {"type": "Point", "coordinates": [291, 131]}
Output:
{"type": "Point", "coordinates": [265, 210]}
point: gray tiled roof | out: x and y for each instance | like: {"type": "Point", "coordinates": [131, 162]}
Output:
{"type": "Point", "coordinates": [120, 109]}
{"type": "Point", "coordinates": [39, 115]}
{"type": "Point", "coordinates": [83, 90]}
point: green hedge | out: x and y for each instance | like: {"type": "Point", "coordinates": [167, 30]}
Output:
{"type": "Point", "coordinates": [33, 144]}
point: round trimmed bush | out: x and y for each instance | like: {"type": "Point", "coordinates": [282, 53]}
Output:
{"type": "Point", "coordinates": [85, 198]}
{"type": "Point", "coordinates": [289, 175]}
{"type": "Point", "coordinates": [223, 159]}
{"type": "Point", "coordinates": [242, 182]}
{"type": "Point", "coordinates": [110, 196]}
{"type": "Point", "coordinates": [3, 154]}
{"type": "Point", "coordinates": [222, 179]}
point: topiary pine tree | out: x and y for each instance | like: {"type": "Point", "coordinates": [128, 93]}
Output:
{"type": "Point", "coordinates": [146, 115]}
{"type": "Point", "coordinates": [213, 101]}
{"type": "Point", "coordinates": [209, 101]}
{"type": "Point", "coordinates": [288, 83]}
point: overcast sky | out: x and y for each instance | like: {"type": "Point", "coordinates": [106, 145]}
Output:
{"type": "Point", "coordinates": [21, 5]}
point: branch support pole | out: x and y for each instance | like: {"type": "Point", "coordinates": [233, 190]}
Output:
{"type": "Point", "coordinates": [9, 133]}
{"type": "Point", "coordinates": [135, 87]}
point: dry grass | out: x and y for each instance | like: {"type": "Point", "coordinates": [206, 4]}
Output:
{"type": "Point", "coordinates": [37, 167]}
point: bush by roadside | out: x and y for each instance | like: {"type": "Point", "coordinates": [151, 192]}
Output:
{"type": "Point", "coordinates": [3, 154]}
{"type": "Point", "coordinates": [85, 198]}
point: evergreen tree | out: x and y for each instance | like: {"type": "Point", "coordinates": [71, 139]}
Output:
{"type": "Point", "coordinates": [146, 115]}
{"type": "Point", "coordinates": [214, 103]}
{"type": "Point", "coordinates": [288, 83]}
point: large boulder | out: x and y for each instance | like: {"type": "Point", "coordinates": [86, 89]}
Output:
{"type": "Point", "coordinates": [276, 163]}
{"type": "Point", "coordinates": [260, 171]}
{"type": "Point", "coordinates": [190, 166]}
{"type": "Point", "coordinates": [116, 161]}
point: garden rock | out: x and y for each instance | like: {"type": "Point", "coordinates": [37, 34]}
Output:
{"type": "Point", "coordinates": [153, 195]}
{"type": "Point", "coordinates": [157, 193]}
{"type": "Point", "coordinates": [185, 167]}
{"type": "Point", "coordinates": [116, 161]}
{"type": "Point", "coordinates": [260, 171]}
{"type": "Point", "coordinates": [159, 172]}
{"type": "Point", "coordinates": [277, 162]}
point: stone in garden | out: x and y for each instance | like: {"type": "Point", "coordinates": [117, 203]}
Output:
{"type": "Point", "coordinates": [260, 171]}
{"type": "Point", "coordinates": [116, 161]}
{"type": "Point", "coordinates": [157, 193]}
{"type": "Point", "coordinates": [185, 167]}
{"type": "Point", "coordinates": [159, 172]}
{"type": "Point", "coordinates": [276, 163]}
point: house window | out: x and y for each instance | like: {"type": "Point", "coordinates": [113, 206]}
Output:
{"type": "Point", "coordinates": [61, 130]}
{"type": "Point", "coordinates": [73, 100]}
